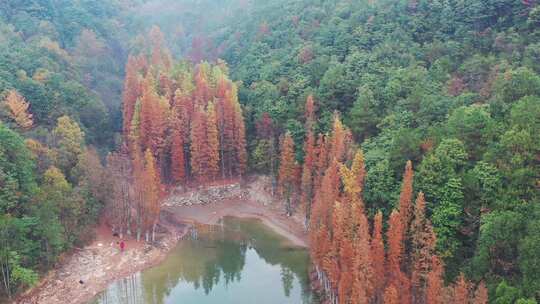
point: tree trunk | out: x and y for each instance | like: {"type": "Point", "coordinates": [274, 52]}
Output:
{"type": "Point", "coordinates": [274, 185]}
{"type": "Point", "coordinates": [5, 278]}
{"type": "Point", "coordinates": [222, 152]}
{"type": "Point", "coordinates": [272, 168]}
{"type": "Point", "coordinates": [288, 206]}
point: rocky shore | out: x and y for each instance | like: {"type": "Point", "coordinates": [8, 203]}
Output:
{"type": "Point", "coordinates": [85, 272]}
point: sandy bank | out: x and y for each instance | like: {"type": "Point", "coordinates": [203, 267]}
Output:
{"type": "Point", "coordinates": [271, 215]}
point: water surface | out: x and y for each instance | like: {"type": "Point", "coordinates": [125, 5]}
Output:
{"type": "Point", "coordinates": [239, 261]}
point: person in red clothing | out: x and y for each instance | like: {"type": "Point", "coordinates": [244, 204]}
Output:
{"type": "Point", "coordinates": [122, 245]}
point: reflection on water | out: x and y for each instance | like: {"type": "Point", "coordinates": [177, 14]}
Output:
{"type": "Point", "coordinates": [126, 290]}
{"type": "Point", "coordinates": [239, 261]}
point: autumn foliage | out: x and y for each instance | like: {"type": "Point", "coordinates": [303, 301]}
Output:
{"type": "Point", "coordinates": [353, 262]}
{"type": "Point", "coordinates": [18, 110]}
{"type": "Point", "coordinates": [187, 126]}
{"type": "Point", "coordinates": [182, 125]}
{"type": "Point", "coordinates": [150, 186]}
{"type": "Point", "coordinates": [178, 161]}
{"type": "Point", "coordinates": [287, 168]}
{"type": "Point", "coordinates": [189, 119]}
{"type": "Point", "coordinates": [406, 195]}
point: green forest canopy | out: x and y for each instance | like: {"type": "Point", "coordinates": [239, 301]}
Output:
{"type": "Point", "coordinates": [453, 86]}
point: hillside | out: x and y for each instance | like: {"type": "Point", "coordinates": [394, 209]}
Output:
{"type": "Point", "coordinates": [105, 105]}
{"type": "Point", "coordinates": [452, 86]}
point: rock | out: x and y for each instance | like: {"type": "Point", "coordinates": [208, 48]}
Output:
{"type": "Point", "coordinates": [209, 195]}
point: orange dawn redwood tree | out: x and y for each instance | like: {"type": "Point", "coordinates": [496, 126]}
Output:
{"type": "Point", "coordinates": [363, 261]}
{"type": "Point", "coordinates": [306, 180]}
{"type": "Point", "coordinates": [396, 277]}
{"type": "Point", "coordinates": [391, 295]}
{"type": "Point", "coordinates": [148, 114]}
{"type": "Point", "coordinates": [227, 132]}
{"type": "Point", "coordinates": [183, 110]}
{"type": "Point", "coordinates": [286, 170]}
{"type": "Point", "coordinates": [239, 138]}
{"type": "Point", "coordinates": [338, 140]}
{"type": "Point", "coordinates": [139, 191]}
{"type": "Point", "coordinates": [435, 283]}
{"type": "Point", "coordinates": [307, 176]}
{"type": "Point", "coordinates": [423, 248]}
{"type": "Point", "coordinates": [377, 256]}
{"type": "Point", "coordinates": [178, 162]}
{"type": "Point", "coordinates": [341, 254]}
{"type": "Point", "coordinates": [461, 290]}
{"type": "Point", "coordinates": [212, 142]}
{"type": "Point", "coordinates": [406, 196]}
{"type": "Point", "coordinates": [199, 157]}
{"type": "Point", "coordinates": [151, 196]}
{"type": "Point", "coordinates": [310, 112]}
{"type": "Point", "coordinates": [321, 161]}
{"type": "Point", "coordinates": [328, 194]}
{"type": "Point", "coordinates": [394, 237]}
{"type": "Point", "coordinates": [130, 94]}
{"type": "Point", "coordinates": [481, 294]}
{"type": "Point", "coordinates": [221, 91]}
{"type": "Point", "coordinates": [202, 89]}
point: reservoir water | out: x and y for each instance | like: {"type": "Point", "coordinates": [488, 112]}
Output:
{"type": "Point", "coordinates": [239, 261]}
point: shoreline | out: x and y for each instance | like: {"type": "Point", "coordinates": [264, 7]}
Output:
{"type": "Point", "coordinates": [100, 263]}
{"type": "Point", "coordinates": [97, 265]}
{"type": "Point", "coordinates": [285, 226]}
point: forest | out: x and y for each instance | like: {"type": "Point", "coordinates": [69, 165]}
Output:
{"type": "Point", "coordinates": [405, 133]}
